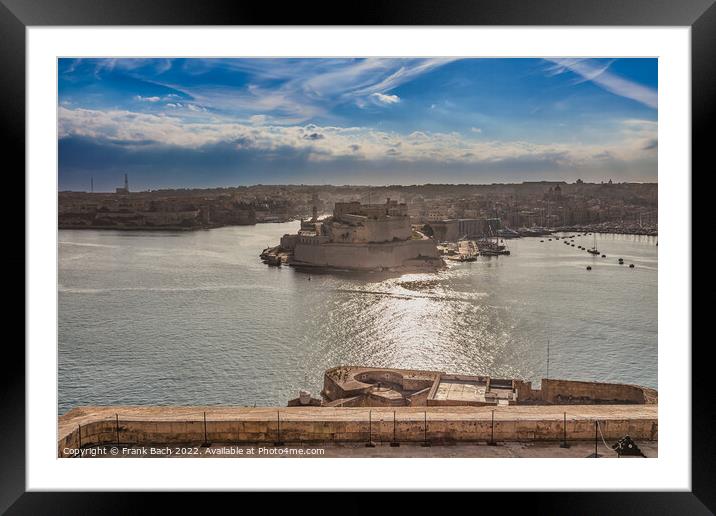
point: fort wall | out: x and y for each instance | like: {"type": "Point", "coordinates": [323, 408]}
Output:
{"type": "Point", "coordinates": [364, 230]}
{"type": "Point", "coordinates": [566, 391]}
{"type": "Point", "coordinates": [367, 256]}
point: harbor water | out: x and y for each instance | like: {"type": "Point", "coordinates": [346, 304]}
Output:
{"type": "Point", "coordinates": [195, 318]}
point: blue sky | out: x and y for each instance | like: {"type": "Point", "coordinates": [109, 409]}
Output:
{"type": "Point", "coordinates": [224, 122]}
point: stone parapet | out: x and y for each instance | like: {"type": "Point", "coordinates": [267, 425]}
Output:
{"type": "Point", "coordinates": [133, 425]}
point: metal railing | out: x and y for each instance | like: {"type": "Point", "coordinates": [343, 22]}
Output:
{"type": "Point", "coordinates": [369, 426]}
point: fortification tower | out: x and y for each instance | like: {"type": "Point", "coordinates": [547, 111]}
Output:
{"type": "Point", "coordinates": [314, 210]}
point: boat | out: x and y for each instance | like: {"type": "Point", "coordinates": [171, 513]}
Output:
{"type": "Point", "coordinates": [589, 267]}
{"type": "Point", "coordinates": [526, 232]}
{"type": "Point", "coordinates": [509, 233]}
{"type": "Point", "coordinates": [594, 249]}
{"type": "Point", "coordinates": [488, 247]}
{"type": "Point", "coordinates": [631, 265]}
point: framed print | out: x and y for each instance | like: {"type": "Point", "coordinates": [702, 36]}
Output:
{"type": "Point", "coordinates": [424, 236]}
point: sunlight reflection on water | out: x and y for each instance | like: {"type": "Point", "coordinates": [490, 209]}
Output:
{"type": "Point", "coordinates": [196, 318]}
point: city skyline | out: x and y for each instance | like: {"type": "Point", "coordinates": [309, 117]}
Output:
{"type": "Point", "coordinates": [184, 123]}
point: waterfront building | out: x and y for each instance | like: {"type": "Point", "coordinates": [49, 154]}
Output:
{"type": "Point", "coordinates": [362, 236]}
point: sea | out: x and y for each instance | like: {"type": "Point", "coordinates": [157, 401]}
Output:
{"type": "Point", "coordinates": [195, 318]}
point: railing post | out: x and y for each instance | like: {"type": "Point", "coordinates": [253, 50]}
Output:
{"type": "Point", "coordinates": [426, 443]}
{"type": "Point", "coordinates": [492, 435]}
{"type": "Point", "coordinates": [206, 443]}
{"type": "Point", "coordinates": [564, 433]}
{"type": "Point", "coordinates": [370, 443]}
{"type": "Point", "coordinates": [394, 443]}
{"type": "Point", "coordinates": [278, 442]}
{"type": "Point", "coordinates": [596, 437]}
{"type": "Point", "coordinates": [595, 455]}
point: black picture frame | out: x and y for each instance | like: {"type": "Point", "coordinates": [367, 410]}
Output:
{"type": "Point", "coordinates": [16, 15]}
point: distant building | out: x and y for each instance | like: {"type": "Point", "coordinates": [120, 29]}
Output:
{"type": "Point", "coordinates": [125, 189]}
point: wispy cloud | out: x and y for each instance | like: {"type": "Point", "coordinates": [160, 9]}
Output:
{"type": "Point", "coordinates": [386, 99]}
{"type": "Point", "coordinates": [147, 99]}
{"type": "Point", "coordinates": [300, 90]}
{"type": "Point", "coordinates": [405, 73]}
{"type": "Point", "coordinates": [600, 75]}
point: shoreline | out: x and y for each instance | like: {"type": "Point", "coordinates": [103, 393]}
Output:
{"type": "Point", "coordinates": [200, 228]}
{"type": "Point", "coordinates": [166, 228]}
{"type": "Point", "coordinates": [603, 231]}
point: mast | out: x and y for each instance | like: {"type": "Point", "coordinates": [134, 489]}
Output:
{"type": "Point", "coordinates": [547, 358]}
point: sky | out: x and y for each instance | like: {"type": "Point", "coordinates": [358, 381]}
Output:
{"type": "Point", "coordinates": [185, 123]}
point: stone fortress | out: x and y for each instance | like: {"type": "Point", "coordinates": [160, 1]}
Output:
{"type": "Point", "coordinates": [347, 386]}
{"type": "Point", "coordinates": [362, 405]}
{"type": "Point", "coordinates": [360, 237]}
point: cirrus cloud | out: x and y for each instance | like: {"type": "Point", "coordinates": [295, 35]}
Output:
{"type": "Point", "coordinates": [385, 99]}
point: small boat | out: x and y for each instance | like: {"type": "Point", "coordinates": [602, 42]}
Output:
{"type": "Point", "coordinates": [631, 265]}
{"type": "Point", "coordinates": [589, 267]}
{"type": "Point", "coordinates": [594, 249]}
{"type": "Point", "coordinates": [604, 256]}
{"type": "Point", "coordinates": [541, 240]}
{"type": "Point", "coordinates": [572, 245]}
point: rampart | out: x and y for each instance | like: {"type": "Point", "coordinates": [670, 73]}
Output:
{"type": "Point", "coordinates": [562, 392]}
{"type": "Point", "coordinates": [394, 387]}
{"type": "Point", "coordinates": [130, 426]}
{"type": "Point", "coordinates": [368, 256]}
